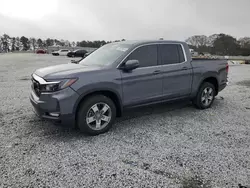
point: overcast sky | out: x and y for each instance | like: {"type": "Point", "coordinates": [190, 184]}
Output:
{"type": "Point", "coordinates": [76, 20]}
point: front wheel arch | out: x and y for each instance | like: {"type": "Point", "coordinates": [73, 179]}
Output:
{"type": "Point", "coordinates": [110, 94]}
{"type": "Point", "coordinates": [92, 126]}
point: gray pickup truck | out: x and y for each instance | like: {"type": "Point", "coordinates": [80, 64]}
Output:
{"type": "Point", "coordinates": [92, 93]}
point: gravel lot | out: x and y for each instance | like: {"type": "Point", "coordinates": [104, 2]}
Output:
{"type": "Point", "coordinates": [167, 145]}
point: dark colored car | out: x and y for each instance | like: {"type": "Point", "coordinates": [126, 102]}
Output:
{"type": "Point", "coordinates": [123, 75]}
{"type": "Point", "coordinates": [77, 53]}
{"type": "Point", "coordinates": [87, 54]}
{"type": "Point", "coordinates": [41, 51]}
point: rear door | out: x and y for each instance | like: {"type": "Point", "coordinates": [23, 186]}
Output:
{"type": "Point", "coordinates": [143, 84]}
{"type": "Point", "coordinates": [176, 71]}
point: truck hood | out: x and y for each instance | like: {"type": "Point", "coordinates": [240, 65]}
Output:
{"type": "Point", "coordinates": [64, 71]}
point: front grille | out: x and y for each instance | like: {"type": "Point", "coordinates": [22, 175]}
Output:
{"type": "Point", "coordinates": [36, 87]}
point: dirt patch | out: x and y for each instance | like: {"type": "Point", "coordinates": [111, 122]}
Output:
{"type": "Point", "coordinates": [195, 182]}
{"type": "Point", "coordinates": [25, 78]}
{"type": "Point", "coordinates": [244, 83]}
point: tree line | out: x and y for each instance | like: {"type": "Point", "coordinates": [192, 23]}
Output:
{"type": "Point", "coordinates": [9, 44]}
{"type": "Point", "coordinates": [216, 44]}
{"type": "Point", "coordinates": [220, 44]}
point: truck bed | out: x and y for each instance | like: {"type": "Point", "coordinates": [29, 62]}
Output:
{"type": "Point", "coordinates": [203, 67]}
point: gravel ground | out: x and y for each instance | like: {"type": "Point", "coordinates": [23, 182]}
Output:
{"type": "Point", "coordinates": [167, 145]}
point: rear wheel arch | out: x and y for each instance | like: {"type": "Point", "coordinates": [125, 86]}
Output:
{"type": "Point", "coordinates": [213, 80]}
{"type": "Point", "coordinates": [205, 95]}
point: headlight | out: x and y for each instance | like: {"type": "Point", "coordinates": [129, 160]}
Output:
{"type": "Point", "coordinates": [57, 85]}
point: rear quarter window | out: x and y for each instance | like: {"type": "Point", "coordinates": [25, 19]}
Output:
{"type": "Point", "coordinates": [181, 54]}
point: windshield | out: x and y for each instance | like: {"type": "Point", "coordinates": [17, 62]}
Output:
{"type": "Point", "coordinates": [105, 55]}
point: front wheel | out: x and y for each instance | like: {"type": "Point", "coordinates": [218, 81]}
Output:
{"type": "Point", "coordinates": [205, 96]}
{"type": "Point", "coordinates": [96, 115]}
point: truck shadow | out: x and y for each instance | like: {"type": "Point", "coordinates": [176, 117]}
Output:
{"type": "Point", "coordinates": [153, 109]}
{"type": "Point", "coordinates": [56, 132]}
{"type": "Point", "coordinates": [160, 108]}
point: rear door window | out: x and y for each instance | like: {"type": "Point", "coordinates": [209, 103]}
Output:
{"type": "Point", "coordinates": [146, 55]}
{"type": "Point", "coordinates": [171, 54]}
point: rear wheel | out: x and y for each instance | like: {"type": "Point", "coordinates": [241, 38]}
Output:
{"type": "Point", "coordinates": [205, 96]}
{"type": "Point", "coordinates": [96, 115]}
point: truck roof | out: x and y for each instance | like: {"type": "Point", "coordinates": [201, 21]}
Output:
{"type": "Point", "coordinates": [141, 42]}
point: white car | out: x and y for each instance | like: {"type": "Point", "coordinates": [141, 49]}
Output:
{"type": "Point", "coordinates": [61, 52]}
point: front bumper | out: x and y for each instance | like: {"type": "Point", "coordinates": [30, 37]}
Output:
{"type": "Point", "coordinates": [61, 103]}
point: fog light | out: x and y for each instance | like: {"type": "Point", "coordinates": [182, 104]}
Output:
{"type": "Point", "coordinates": [54, 114]}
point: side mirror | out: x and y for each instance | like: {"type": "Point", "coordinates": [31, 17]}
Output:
{"type": "Point", "coordinates": [131, 64]}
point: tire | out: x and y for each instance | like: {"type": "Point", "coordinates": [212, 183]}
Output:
{"type": "Point", "coordinates": [203, 100]}
{"type": "Point", "coordinates": [86, 112]}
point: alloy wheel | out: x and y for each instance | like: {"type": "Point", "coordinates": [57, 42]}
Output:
{"type": "Point", "coordinates": [207, 96]}
{"type": "Point", "coordinates": [99, 116]}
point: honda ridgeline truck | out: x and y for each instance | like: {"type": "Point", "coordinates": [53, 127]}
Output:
{"type": "Point", "coordinates": [92, 93]}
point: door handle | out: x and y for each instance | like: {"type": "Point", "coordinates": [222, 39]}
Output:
{"type": "Point", "coordinates": [184, 68]}
{"type": "Point", "coordinates": [157, 72]}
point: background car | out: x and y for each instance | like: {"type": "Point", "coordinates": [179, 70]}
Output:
{"type": "Point", "coordinates": [61, 52]}
{"type": "Point", "coordinates": [41, 51]}
{"type": "Point", "coordinates": [88, 54]}
{"type": "Point", "coordinates": [77, 53]}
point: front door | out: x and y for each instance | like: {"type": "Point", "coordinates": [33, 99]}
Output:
{"type": "Point", "coordinates": [143, 84]}
{"type": "Point", "coordinates": [176, 71]}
